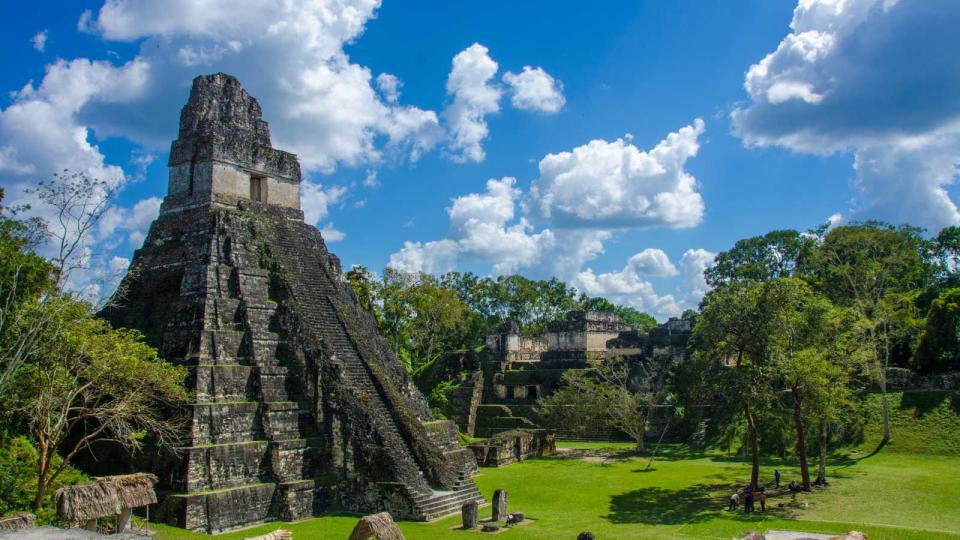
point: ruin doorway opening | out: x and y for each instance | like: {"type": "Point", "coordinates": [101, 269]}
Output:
{"type": "Point", "coordinates": [258, 188]}
{"type": "Point", "coordinates": [532, 392]}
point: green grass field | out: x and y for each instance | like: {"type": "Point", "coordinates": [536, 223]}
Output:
{"type": "Point", "coordinates": [907, 490]}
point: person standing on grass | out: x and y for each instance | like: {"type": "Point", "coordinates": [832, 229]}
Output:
{"type": "Point", "coordinates": [763, 502]}
{"type": "Point", "coordinates": [748, 503]}
{"type": "Point", "coordinates": [734, 501]}
{"type": "Point", "coordinates": [776, 477]}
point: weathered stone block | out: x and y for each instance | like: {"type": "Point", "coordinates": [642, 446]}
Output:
{"type": "Point", "coordinates": [469, 514]}
{"type": "Point", "coordinates": [219, 423]}
{"type": "Point", "coordinates": [223, 466]}
{"type": "Point", "coordinates": [222, 383]}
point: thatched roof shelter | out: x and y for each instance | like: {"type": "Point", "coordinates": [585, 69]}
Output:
{"type": "Point", "coordinates": [133, 490]}
{"type": "Point", "coordinates": [377, 527]}
{"type": "Point", "coordinates": [105, 496]}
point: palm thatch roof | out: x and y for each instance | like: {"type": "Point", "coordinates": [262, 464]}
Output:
{"type": "Point", "coordinates": [377, 527]}
{"type": "Point", "coordinates": [105, 496]}
{"type": "Point", "coordinates": [134, 490]}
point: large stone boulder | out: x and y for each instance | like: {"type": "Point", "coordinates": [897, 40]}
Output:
{"type": "Point", "coordinates": [377, 527]}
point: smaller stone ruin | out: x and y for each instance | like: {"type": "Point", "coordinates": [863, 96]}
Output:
{"type": "Point", "coordinates": [513, 446]}
{"type": "Point", "coordinates": [17, 522]}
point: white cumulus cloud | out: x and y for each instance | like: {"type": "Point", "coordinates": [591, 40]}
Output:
{"type": "Point", "coordinates": [632, 287]}
{"type": "Point", "coordinates": [321, 105]}
{"type": "Point", "coordinates": [473, 97]}
{"type": "Point", "coordinates": [615, 184]}
{"type": "Point", "coordinates": [315, 201]}
{"type": "Point", "coordinates": [39, 40]}
{"type": "Point", "coordinates": [534, 89]}
{"type": "Point", "coordinates": [389, 85]}
{"type": "Point", "coordinates": [878, 78]}
{"type": "Point", "coordinates": [694, 262]}
{"type": "Point", "coordinates": [581, 200]}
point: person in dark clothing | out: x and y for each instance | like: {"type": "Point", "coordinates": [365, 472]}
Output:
{"type": "Point", "coordinates": [776, 477]}
{"type": "Point", "coordinates": [748, 505]}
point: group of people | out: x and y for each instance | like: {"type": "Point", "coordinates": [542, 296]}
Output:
{"type": "Point", "coordinates": [752, 494]}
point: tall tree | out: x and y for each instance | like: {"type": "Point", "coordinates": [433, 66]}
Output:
{"type": "Point", "coordinates": [394, 310]}
{"type": "Point", "coordinates": [732, 330]}
{"type": "Point", "coordinates": [809, 346]}
{"type": "Point", "coordinates": [615, 392]}
{"type": "Point", "coordinates": [871, 267]}
{"type": "Point", "coordinates": [438, 314]}
{"type": "Point", "coordinates": [26, 283]}
{"type": "Point", "coordinates": [89, 383]}
{"type": "Point", "coordinates": [77, 203]}
{"type": "Point", "coordinates": [362, 280]}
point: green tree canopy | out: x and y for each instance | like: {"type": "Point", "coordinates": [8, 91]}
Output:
{"type": "Point", "coordinates": [777, 254]}
{"type": "Point", "coordinates": [87, 383]}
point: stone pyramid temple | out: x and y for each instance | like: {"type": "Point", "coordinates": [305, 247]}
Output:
{"type": "Point", "coordinates": [300, 406]}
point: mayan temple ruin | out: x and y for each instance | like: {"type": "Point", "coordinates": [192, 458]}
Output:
{"type": "Point", "coordinates": [300, 406]}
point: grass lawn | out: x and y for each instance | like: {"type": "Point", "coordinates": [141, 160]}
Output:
{"type": "Point", "coordinates": [889, 495]}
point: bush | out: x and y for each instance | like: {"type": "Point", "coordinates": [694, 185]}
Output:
{"type": "Point", "coordinates": [18, 478]}
{"type": "Point", "coordinates": [939, 347]}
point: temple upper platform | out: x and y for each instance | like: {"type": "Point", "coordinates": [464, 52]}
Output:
{"type": "Point", "coordinates": [223, 154]}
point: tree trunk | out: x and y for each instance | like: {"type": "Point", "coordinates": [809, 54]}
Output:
{"type": "Point", "coordinates": [641, 445]}
{"type": "Point", "coordinates": [38, 500]}
{"type": "Point", "coordinates": [822, 468]}
{"type": "Point", "coordinates": [42, 466]}
{"type": "Point", "coordinates": [801, 438]}
{"type": "Point", "coordinates": [754, 447]}
{"type": "Point", "coordinates": [886, 402]}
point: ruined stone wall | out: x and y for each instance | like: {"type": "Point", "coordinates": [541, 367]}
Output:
{"type": "Point", "coordinates": [513, 446]}
{"type": "Point", "coordinates": [203, 182]}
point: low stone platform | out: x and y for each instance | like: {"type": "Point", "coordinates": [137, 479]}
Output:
{"type": "Point", "coordinates": [513, 446]}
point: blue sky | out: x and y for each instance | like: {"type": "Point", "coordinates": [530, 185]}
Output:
{"type": "Point", "coordinates": [839, 110]}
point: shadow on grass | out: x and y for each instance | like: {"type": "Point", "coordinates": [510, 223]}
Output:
{"type": "Point", "coordinates": [693, 504]}
{"type": "Point", "coordinates": [659, 506]}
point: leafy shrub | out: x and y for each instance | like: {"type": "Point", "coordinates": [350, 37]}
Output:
{"type": "Point", "coordinates": [18, 478]}
{"type": "Point", "coordinates": [939, 347]}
